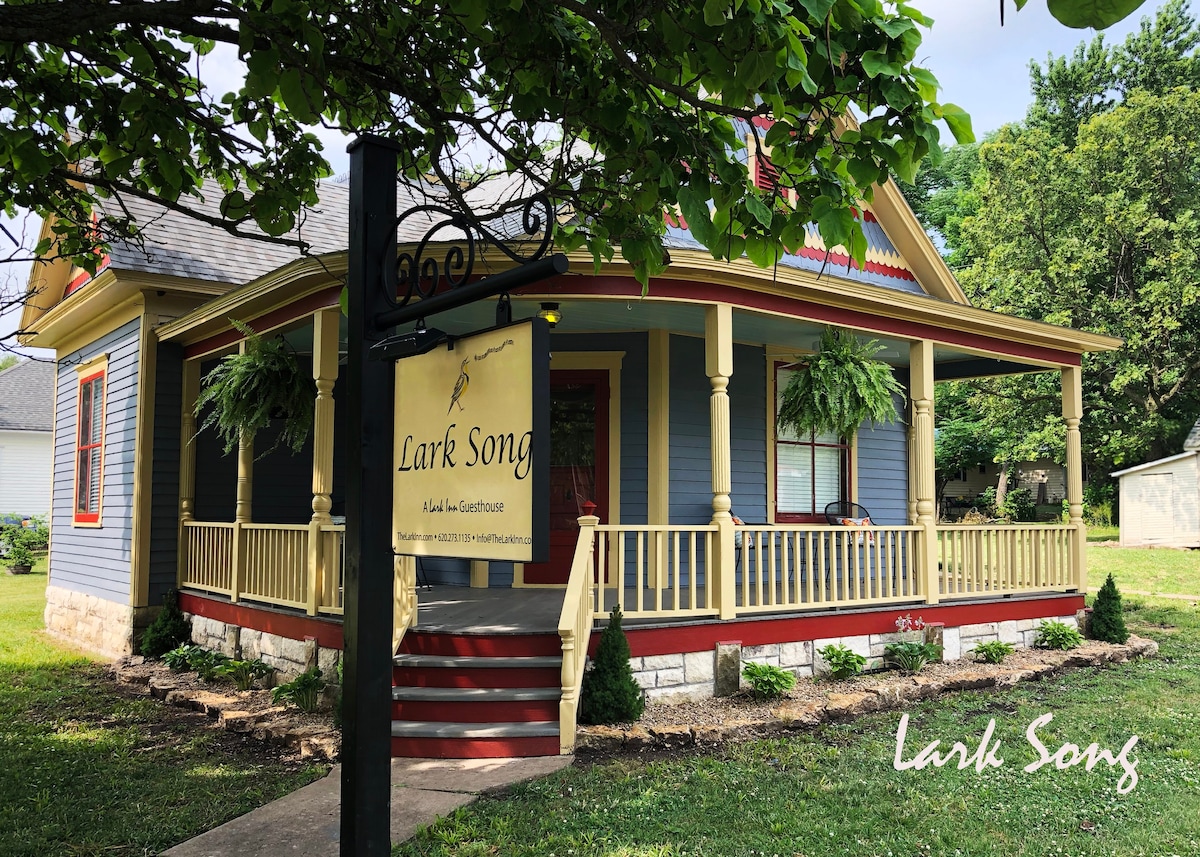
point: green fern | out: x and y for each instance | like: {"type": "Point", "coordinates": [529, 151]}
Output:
{"type": "Point", "coordinates": [841, 387]}
{"type": "Point", "coordinates": [246, 390]}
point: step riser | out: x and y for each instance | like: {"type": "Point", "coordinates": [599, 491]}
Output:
{"type": "Point", "coordinates": [482, 677]}
{"type": "Point", "coordinates": [473, 748]}
{"type": "Point", "coordinates": [478, 645]}
{"type": "Point", "coordinates": [508, 711]}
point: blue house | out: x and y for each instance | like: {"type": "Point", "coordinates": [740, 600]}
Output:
{"type": "Point", "coordinates": [664, 439]}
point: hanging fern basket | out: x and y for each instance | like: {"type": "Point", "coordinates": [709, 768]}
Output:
{"type": "Point", "coordinates": [249, 389]}
{"type": "Point", "coordinates": [838, 389]}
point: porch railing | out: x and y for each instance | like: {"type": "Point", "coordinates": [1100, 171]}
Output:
{"type": "Point", "coordinates": [784, 567]}
{"type": "Point", "coordinates": [653, 570]}
{"type": "Point", "coordinates": [575, 629]}
{"type": "Point", "coordinates": [989, 559]}
{"type": "Point", "coordinates": [265, 563]}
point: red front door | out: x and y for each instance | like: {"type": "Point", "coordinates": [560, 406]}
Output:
{"type": "Point", "coordinates": [578, 465]}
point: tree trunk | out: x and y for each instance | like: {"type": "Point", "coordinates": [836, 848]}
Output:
{"type": "Point", "coordinates": [1001, 486]}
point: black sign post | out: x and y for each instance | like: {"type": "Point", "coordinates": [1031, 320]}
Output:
{"type": "Point", "coordinates": [367, 622]}
{"type": "Point", "coordinates": [372, 282]}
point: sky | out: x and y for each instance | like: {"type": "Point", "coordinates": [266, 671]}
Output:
{"type": "Point", "coordinates": [983, 68]}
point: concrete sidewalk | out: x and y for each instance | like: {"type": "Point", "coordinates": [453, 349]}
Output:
{"type": "Point", "coordinates": [306, 823]}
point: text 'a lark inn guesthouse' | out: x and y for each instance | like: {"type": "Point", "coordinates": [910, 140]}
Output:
{"type": "Point", "coordinates": [662, 431]}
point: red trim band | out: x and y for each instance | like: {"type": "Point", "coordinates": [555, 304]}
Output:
{"type": "Point", "coordinates": [327, 632]}
{"type": "Point", "coordinates": [627, 287]}
{"type": "Point", "coordinates": [305, 306]}
{"type": "Point", "coordinates": [760, 632]}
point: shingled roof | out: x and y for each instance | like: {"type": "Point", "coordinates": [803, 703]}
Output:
{"type": "Point", "coordinates": [1192, 443]}
{"type": "Point", "coordinates": [27, 397]}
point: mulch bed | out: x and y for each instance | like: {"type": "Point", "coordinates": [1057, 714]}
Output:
{"type": "Point", "coordinates": [813, 702]}
{"type": "Point", "coordinates": [250, 713]}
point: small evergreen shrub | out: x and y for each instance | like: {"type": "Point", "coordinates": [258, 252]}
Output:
{"type": "Point", "coordinates": [168, 630]}
{"type": "Point", "coordinates": [304, 691]}
{"type": "Point", "coordinates": [909, 657]}
{"type": "Point", "coordinates": [1107, 623]}
{"type": "Point", "coordinates": [768, 682]}
{"type": "Point", "coordinates": [843, 662]}
{"type": "Point", "coordinates": [993, 651]}
{"type": "Point", "coordinates": [243, 673]}
{"type": "Point", "coordinates": [609, 693]}
{"type": "Point", "coordinates": [1058, 635]}
{"type": "Point", "coordinates": [1019, 505]}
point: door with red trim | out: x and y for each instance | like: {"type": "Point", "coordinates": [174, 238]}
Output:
{"type": "Point", "coordinates": [578, 465]}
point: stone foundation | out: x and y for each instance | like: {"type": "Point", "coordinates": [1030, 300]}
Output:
{"type": "Point", "coordinates": [692, 675]}
{"type": "Point", "coordinates": [95, 624]}
{"type": "Point", "coordinates": [286, 656]}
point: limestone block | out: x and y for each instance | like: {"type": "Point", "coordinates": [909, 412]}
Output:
{"type": "Point", "coordinates": [983, 629]}
{"type": "Point", "coordinates": [635, 664]}
{"type": "Point", "coordinates": [327, 661]}
{"type": "Point", "coordinates": [662, 662]}
{"type": "Point", "coordinates": [668, 678]}
{"type": "Point", "coordinates": [728, 675]}
{"type": "Point", "coordinates": [951, 644]}
{"type": "Point", "coordinates": [699, 667]}
{"type": "Point", "coordinates": [796, 654]}
{"type": "Point", "coordinates": [680, 693]}
{"type": "Point", "coordinates": [1008, 632]}
{"type": "Point", "coordinates": [645, 679]}
{"type": "Point", "coordinates": [761, 654]}
{"type": "Point", "coordinates": [251, 641]}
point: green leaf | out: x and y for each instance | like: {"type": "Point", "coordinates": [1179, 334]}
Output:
{"type": "Point", "coordinates": [758, 209]}
{"type": "Point", "coordinates": [875, 63]}
{"type": "Point", "coordinates": [714, 12]}
{"type": "Point", "coordinates": [959, 122]}
{"type": "Point", "coordinates": [1091, 14]}
{"type": "Point", "coordinates": [695, 212]}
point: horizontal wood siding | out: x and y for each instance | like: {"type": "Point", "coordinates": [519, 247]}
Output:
{"type": "Point", "coordinates": [883, 470]}
{"type": "Point", "coordinates": [164, 486]}
{"type": "Point", "coordinates": [25, 471]}
{"type": "Point", "coordinates": [691, 461]}
{"type": "Point", "coordinates": [95, 560]}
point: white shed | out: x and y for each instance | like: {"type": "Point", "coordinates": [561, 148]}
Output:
{"type": "Point", "coordinates": [26, 438]}
{"type": "Point", "coordinates": [1160, 500]}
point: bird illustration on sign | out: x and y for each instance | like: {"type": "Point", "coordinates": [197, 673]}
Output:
{"type": "Point", "coordinates": [460, 387]}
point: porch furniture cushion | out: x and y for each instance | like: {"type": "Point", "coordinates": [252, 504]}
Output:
{"type": "Point", "coordinates": [839, 509]}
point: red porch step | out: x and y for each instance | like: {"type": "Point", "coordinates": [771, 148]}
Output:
{"type": "Point", "coordinates": [461, 695]}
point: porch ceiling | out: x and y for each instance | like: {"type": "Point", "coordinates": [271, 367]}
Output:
{"type": "Point", "coordinates": [779, 333]}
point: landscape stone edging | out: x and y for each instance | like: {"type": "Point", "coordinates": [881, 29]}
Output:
{"type": "Point", "coordinates": [840, 707]}
{"type": "Point", "coordinates": [273, 725]}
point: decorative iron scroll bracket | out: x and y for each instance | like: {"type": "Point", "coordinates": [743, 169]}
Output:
{"type": "Point", "coordinates": [424, 271]}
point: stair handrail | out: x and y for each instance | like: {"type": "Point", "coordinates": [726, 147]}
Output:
{"type": "Point", "coordinates": [575, 630]}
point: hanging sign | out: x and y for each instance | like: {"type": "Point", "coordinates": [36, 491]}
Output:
{"type": "Point", "coordinates": [472, 447]}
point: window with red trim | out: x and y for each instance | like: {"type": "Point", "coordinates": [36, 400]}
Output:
{"type": "Point", "coordinates": [810, 471]}
{"type": "Point", "coordinates": [89, 449]}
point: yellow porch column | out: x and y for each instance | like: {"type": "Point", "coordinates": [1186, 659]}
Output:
{"type": "Point", "coordinates": [718, 365]}
{"type": "Point", "coordinates": [920, 364]}
{"type": "Point", "coordinates": [325, 371]}
{"type": "Point", "coordinates": [1072, 411]}
{"type": "Point", "coordinates": [187, 459]}
{"type": "Point", "coordinates": [243, 506]}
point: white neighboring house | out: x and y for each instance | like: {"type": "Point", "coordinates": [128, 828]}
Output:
{"type": "Point", "coordinates": [1160, 500]}
{"type": "Point", "coordinates": [26, 438]}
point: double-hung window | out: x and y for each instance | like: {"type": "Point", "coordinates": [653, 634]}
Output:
{"type": "Point", "coordinates": [89, 446]}
{"type": "Point", "coordinates": [811, 471]}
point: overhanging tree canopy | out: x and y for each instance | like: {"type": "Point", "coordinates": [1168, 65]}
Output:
{"type": "Point", "coordinates": [470, 88]}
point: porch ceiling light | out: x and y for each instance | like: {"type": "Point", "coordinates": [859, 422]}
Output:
{"type": "Point", "coordinates": [551, 313]}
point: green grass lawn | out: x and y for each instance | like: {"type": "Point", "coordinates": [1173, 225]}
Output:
{"type": "Point", "coordinates": [1167, 570]}
{"type": "Point", "coordinates": [87, 771]}
{"type": "Point", "coordinates": [835, 791]}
